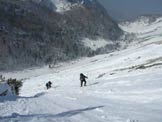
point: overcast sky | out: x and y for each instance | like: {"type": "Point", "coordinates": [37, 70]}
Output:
{"type": "Point", "coordinates": [126, 9]}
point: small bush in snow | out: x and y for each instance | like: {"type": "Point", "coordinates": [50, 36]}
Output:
{"type": "Point", "coordinates": [15, 85]}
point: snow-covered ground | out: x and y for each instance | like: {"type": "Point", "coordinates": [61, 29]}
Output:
{"type": "Point", "coordinates": [61, 5]}
{"type": "Point", "coordinates": [96, 44]}
{"type": "Point", "coordinates": [124, 86]}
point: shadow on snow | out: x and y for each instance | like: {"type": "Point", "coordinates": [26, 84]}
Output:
{"type": "Point", "coordinates": [96, 83]}
{"type": "Point", "coordinates": [14, 98]}
{"type": "Point", "coordinates": [59, 115]}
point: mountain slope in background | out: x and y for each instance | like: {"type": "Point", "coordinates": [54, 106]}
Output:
{"type": "Point", "coordinates": [38, 32]}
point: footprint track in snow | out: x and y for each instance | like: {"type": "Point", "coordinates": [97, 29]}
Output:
{"type": "Point", "coordinates": [99, 110]}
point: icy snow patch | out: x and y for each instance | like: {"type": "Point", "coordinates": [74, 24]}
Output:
{"type": "Point", "coordinates": [95, 44]}
{"type": "Point", "coordinates": [4, 87]}
{"type": "Point", "coordinates": [62, 5]}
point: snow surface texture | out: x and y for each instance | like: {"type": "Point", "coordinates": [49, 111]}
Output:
{"type": "Point", "coordinates": [4, 87]}
{"type": "Point", "coordinates": [142, 26]}
{"type": "Point", "coordinates": [124, 86]}
{"type": "Point", "coordinates": [61, 5]}
{"type": "Point", "coordinates": [64, 5]}
{"type": "Point", "coordinates": [96, 44]}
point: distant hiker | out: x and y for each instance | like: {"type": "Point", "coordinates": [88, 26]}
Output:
{"type": "Point", "coordinates": [83, 79]}
{"type": "Point", "coordinates": [49, 84]}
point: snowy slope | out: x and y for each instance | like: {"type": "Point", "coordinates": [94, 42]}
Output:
{"type": "Point", "coordinates": [57, 5]}
{"type": "Point", "coordinates": [142, 26]}
{"type": "Point", "coordinates": [144, 31]}
{"type": "Point", "coordinates": [124, 86]}
{"type": "Point", "coordinates": [61, 5]}
{"type": "Point", "coordinates": [96, 44]}
{"type": "Point", "coordinates": [5, 89]}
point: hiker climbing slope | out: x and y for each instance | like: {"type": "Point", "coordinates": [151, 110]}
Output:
{"type": "Point", "coordinates": [83, 79]}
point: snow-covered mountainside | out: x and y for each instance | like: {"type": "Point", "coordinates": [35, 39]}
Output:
{"type": "Point", "coordinates": [143, 25]}
{"type": "Point", "coordinates": [49, 31]}
{"type": "Point", "coordinates": [96, 44]}
{"type": "Point", "coordinates": [62, 6]}
{"type": "Point", "coordinates": [144, 29]}
{"type": "Point", "coordinates": [124, 86]}
{"type": "Point", "coordinates": [57, 5]}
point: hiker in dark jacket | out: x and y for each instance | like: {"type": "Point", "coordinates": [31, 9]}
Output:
{"type": "Point", "coordinates": [48, 84]}
{"type": "Point", "coordinates": [83, 79]}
